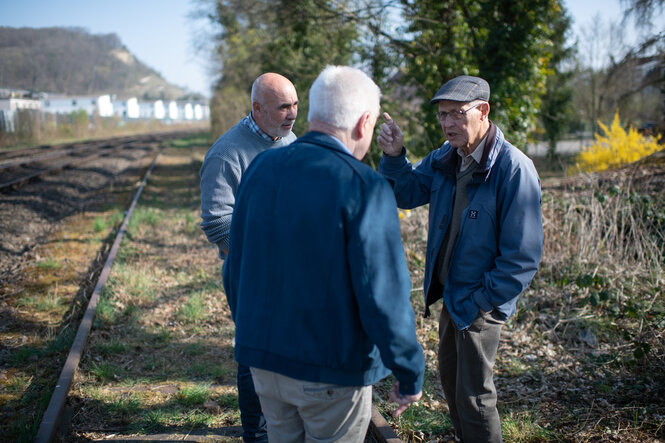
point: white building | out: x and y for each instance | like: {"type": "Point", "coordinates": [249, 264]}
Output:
{"type": "Point", "coordinates": [188, 111]}
{"type": "Point", "coordinates": [14, 104]}
{"type": "Point", "coordinates": [128, 108]}
{"type": "Point", "coordinates": [9, 107]}
{"type": "Point", "coordinates": [159, 110]}
{"type": "Point", "coordinates": [96, 105]}
{"type": "Point", "coordinates": [173, 110]}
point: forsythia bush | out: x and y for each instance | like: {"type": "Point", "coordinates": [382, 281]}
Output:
{"type": "Point", "coordinates": [617, 147]}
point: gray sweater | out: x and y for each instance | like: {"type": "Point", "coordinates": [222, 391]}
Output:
{"type": "Point", "coordinates": [223, 166]}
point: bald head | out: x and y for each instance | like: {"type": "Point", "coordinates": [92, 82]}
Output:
{"type": "Point", "coordinates": [274, 104]}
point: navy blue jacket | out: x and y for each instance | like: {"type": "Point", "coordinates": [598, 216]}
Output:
{"type": "Point", "coordinates": [500, 240]}
{"type": "Point", "coordinates": [316, 276]}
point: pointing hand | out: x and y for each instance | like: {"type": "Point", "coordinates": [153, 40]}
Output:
{"type": "Point", "coordinates": [390, 137]}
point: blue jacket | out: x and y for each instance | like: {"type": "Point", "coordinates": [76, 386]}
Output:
{"type": "Point", "coordinates": [316, 276]}
{"type": "Point", "coordinates": [500, 240]}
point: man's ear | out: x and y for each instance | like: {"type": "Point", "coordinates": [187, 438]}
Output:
{"type": "Point", "coordinates": [363, 125]}
{"type": "Point", "coordinates": [485, 109]}
{"type": "Point", "coordinates": [256, 107]}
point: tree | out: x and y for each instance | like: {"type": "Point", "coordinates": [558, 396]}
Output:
{"type": "Point", "coordinates": [295, 39]}
{"type": "Point", "coordinates": [615, 75]}
{"type": "Point", "coordinates": [642, 10]}
{"type": "Point", "coordinates": [507, 42]}
{"type": "Point", "coordinates": [556, 109]}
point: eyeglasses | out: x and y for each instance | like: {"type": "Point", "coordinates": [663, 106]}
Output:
{"type": "Point", "coordinates": [455, 115]}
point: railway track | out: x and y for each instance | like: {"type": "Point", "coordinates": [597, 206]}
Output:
{"type": "Point", "coordinates": [144, 364]}
{"type": "Point", "coordinates": [19, 166]}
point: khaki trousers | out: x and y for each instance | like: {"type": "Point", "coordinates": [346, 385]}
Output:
{"type": "Point", "coordinates": [300, 411]}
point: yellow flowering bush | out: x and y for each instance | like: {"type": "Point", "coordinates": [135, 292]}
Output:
{"type": "Point", "coordinates": [615, 148]}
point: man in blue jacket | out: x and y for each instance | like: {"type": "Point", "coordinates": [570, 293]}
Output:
{"type": "Point", "coordinates": [484, 242]}
{"type": "Point", "coordinates": [316, 276]}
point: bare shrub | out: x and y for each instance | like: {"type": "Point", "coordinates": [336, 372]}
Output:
{"type": "Point", "coordinates": [613, 226]}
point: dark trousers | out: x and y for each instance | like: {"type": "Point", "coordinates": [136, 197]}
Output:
{"type": "Point", "coordinates": [253, 423]}
{"type": "Point", "coordinates": [466, 363]}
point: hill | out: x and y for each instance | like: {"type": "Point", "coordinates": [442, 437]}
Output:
{"type": "Point", "coordinates": [74, 62]}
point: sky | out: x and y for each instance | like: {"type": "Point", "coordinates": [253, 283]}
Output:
{"type": "Point", "coordinates": [162, 33]}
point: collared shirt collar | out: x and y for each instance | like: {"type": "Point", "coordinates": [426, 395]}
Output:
{"type": "Point", "coordinates": [342, 145]}
{"type": "Point", "coordinates": [251, 124]}
{"type": "Point", "coordinates": [476, 155]}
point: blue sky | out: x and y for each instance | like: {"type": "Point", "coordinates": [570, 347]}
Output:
{"type": "Point", "coordinates": [161, 33]}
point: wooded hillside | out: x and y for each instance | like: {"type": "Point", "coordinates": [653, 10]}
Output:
{"type": "Point", "coordinates": [73, 61]}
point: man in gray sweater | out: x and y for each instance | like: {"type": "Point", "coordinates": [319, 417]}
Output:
{"type": "Point", "coordinates": [268, 125]}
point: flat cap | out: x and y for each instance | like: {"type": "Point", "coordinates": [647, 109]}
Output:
{"type": "Point", "coordinates": [464, 88]}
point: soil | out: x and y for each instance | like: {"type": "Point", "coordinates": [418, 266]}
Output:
{"type": "Point", "coordinates": [30, 213]}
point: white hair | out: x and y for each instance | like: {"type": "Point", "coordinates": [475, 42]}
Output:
{"type": "Point", "coordinates": [340, 95]}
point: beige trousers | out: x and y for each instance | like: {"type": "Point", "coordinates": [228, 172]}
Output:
{"type": "Point", "coordinates": [300, 411]}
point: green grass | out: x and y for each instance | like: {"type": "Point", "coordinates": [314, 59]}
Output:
{"type": "Point", "coordinates": [194, 349]}
{"type": "Point", "coordinates": [61, 342]}
{"type": "Point", "coordinates": [132, 284]}
{"type": "Point", "coordinates": [156, 419]}
{"type": "Point", "coordinates": [106, 222]}
{"type": "Point", "coordinates": [126, 406]}
{"type": "Point", "coordinates": [106, 312]}
{"type": "Point", "coordinates": [523, 427]}
{"type": "Point", "coordinates": [23, 355]}
{"type": "Point", "coordinates": [111, 348]}
{"type": "Point", "coordinates": [207, 370]}
{"type": "Point", "coordinates": [49, 302]}
{"type": "Point", "coordinates": [18, 384]}
{"type": "Point", "coordinates": [193, 309]}
{"type": "Point", "coordinates": [514, 367]}
{"type": "Point", "coordinates": [49, 263]}
{"type": "Point", "coordinates": [191, 223]}
{"type": "Point", "coordinates": [202, 139]}
{"type": "Point", "coordinates": [104, 372]}
{"type": "Point", "coordinates": [194, 395]}
{"type": "Point", "coordinates": [419, 418]}
{"type": "Point", "coordinates": [144, 218]}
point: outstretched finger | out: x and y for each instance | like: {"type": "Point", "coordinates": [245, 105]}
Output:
{"type": "Point", "coordinates": [387, 118]}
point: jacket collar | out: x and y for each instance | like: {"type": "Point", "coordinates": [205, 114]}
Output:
{"type": "Point", "coordinates": [324, 140]}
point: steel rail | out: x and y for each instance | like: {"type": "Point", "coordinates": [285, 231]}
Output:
{"type": "Point", "coordinates": [36, 174]}
{"type": "Point", "coordinates": [99, 144]}
{"type": "Point", "coordinates": [51, 418]}
{"type": "Point", "coordinates": [50, 155]}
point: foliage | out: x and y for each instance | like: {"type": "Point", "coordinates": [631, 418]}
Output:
{"type": "Point", "coordinates": [506, 42]}
{"type": "Point", "coordinates": [556, 110]}
{"type": "Point", "coordinates": [643, 10]}
{"type": "Point", "coordinates": [615, 148]}
{"type": "Point", "coordinates": [295, 39]}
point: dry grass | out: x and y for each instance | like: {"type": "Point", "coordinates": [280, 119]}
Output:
{"type": "Point", "coordinates": [161, 356]}
{"type": "Point", "coordinates": [582, 360]}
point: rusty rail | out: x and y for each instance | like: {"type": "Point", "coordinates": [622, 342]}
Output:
{"type": "Point", "coordinates": [48, 426]}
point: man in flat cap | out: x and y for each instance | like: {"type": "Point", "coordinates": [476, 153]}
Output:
{"type": "Point", "coordinates": [484, 242]}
